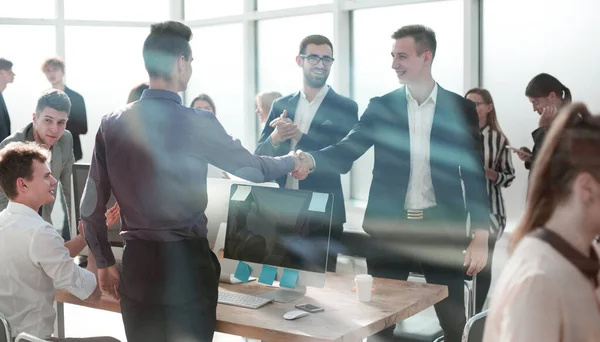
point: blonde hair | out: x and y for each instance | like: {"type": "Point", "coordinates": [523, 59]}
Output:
{"type": "Point", "coordinates": [572, 146]}
{"type": "Point", "coordinates": [267, 98]}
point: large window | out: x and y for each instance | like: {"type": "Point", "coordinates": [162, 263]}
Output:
{"type": "Point", "coordinates": [269, 5]}
{"type": "Point", "coordinates": [202, 9]}
{"type": "Point", "coordinates": [278, 43]}
{"type": "Point", "coordinates": [219, 72]}
{"type": "Point", "coordinates": [117, 10]}
{"type": "Point", "coordinates": [26, 47]}
{"type": "Point", "coordinates": [513, 54]}
{"type": "Point", "coordinates": [31, 9]}
{"type": "Point", "coordinates": [372, 74]}
{"type": "Point", "coordinates": [103, 64]}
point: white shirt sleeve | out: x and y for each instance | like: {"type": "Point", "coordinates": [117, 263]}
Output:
{"type": "Point", "coordinates": [47, 250]}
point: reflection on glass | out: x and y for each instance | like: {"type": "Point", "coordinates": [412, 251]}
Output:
{"type": "Point", "coordinates": [270, 5]}
{"type": "Point", "coordinates": [103, 64]}
{"type": "Point", "coordinates": [117, 10]}
{"type": "Point", "coordinates": [219, 72]}
{"type": "Point", "coordinates": [30, 9]}
{"type": "Point", "coordinates": [27, 47]}
{"type": "Point", "coordinates": [372, 73]}
{"type": "Point", "coordinates": [278, 43]}
{"type": "Point", "coordinates": [203, 9]}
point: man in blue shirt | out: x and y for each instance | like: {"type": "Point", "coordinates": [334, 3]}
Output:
{"type": "Point", "coordinates": [153, 155]}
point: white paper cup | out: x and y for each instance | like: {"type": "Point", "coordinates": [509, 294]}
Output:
{"type": "Point", "coordinates": [364, 284]}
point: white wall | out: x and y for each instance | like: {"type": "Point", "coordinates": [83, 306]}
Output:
{"type": "Point", "coordinates": [524, 38]}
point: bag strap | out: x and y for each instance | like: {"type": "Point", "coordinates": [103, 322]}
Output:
{"type": "Point", "coordinates": [588, 266]}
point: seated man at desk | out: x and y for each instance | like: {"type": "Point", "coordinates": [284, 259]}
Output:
{"type": "Point", "coordinates": [35, 259]}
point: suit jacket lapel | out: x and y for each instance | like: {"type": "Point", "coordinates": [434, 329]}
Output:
{"type": "Point", "coordinates": [327, 105]}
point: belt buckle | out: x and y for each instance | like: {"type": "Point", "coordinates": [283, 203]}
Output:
{"type": "Point", "coordinates": [415, 214]}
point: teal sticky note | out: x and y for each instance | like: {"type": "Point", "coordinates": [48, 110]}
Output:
{"type": "Point", "coordinates": [267, 275]}
{"type": "Point", "coordinates": [243, 271]}
{"type": "Point", "coordinates": [318, 202]}
{"type": "Point", "coordinates": [289, 278]}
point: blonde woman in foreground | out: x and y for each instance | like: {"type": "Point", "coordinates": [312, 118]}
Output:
{"type": "Point", "coordinates": [549, 288]}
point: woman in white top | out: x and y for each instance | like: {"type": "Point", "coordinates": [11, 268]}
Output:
{"type": "Point", "coordinates": [549, 288]}
{"type": "Point", "coordinates": [499, 173]}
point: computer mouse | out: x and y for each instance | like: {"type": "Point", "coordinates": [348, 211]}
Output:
{"type": "Point", "coordinates": [295, 314]}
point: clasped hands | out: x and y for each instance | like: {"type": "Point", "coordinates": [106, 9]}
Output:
{"type": "Point", "coordinates": [284, 129]}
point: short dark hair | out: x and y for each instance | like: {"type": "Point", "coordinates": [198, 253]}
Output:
{"type": "Point", "coordinates": [136, 93]}
{"type": "Point", "coordinates": [204, 97]}
{"type": "Point", "coordinates": [316, 39]}
{"type": "Point", "coordinates": [544, 84]}
{"type": "Point", "coordinates": [5, 64]}
{"type": "Point", "coordinates": [53, 62]}
{"type": "Point", "coordinates": [424, 37]}
{"type": "Point", "coordinates": [16, 161]}
{"type": "Point", "coordinates": [55, 99]}
{"type": "Point", "coordinates": [166, 42]}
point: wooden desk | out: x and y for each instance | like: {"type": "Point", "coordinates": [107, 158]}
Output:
{"type": "Point", "coordinates": [344, 318]}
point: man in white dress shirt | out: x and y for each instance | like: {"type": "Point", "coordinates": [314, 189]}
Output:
{"type": "Point", "coordinates": [315, 117]}
{"type": "Point", "coordinates": [427, 143]}
{"type": "Point", "coordinates": [35, 259]}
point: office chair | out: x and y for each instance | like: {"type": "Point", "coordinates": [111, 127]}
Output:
{"type": "Point", "coordinates": [25, 337]}
{"type": "Point", "coordinates": [5, 333]}
{"type": "Point", "coordinates": [474, 329]}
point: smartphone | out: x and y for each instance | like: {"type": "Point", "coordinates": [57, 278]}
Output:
{"type": "Point", "coordinates": [517, 150]}
{"type": "Point", "coordinates": [309, 308]}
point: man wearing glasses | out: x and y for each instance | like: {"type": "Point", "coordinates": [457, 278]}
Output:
{"type": "Point", "coordinates": [310, 119]}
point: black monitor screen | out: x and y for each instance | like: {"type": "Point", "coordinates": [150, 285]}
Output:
{"type": "Point", "coordinates": [80, 175]}
{"type": "Point", "coordinates": [279, 227]}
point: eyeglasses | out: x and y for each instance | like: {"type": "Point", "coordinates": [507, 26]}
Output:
{"type": "Point", "coordinates": [314, 59]}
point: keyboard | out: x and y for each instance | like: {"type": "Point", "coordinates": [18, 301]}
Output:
{"type": "Point", "coordinates": [243, 300]}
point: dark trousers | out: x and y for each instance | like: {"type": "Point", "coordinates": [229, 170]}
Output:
{"type": "Point", "coordinates": [433, 248]}
{"type": "Point", "coordinates": [484, 278]}
{"type": "Point", "coordinates": [169, 291]}
{"type": "Point", "coordinates": [335, 246]}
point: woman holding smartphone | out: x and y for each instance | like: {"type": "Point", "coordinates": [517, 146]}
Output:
{"type": "Point", "coordinates": [499, 172]}
{"type": "Point", "coordinates": [548, 290]}
{"type": "Point", "coordinates": [547, 96]}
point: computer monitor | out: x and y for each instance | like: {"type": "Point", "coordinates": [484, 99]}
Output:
{"type": "Point", "coordinates": [283, 228]}
{"type": "Point", "coordinates": [216, 209]}
{"type": "Point", "coordinates": [217, 190]}
{"type": "Point", "coordinates": [80, 175]}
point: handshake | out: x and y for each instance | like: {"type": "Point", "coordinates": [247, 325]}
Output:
{"type": "Point", "coordinates": [305, 164]}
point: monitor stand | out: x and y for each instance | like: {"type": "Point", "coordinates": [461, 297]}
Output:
{"type": "Point", "coordinates": [285, 295]}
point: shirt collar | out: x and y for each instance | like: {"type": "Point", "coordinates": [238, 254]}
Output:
{"type": "Point", "coordinates": [161, 94]}
{"type": "Point", "coordinates": [320, 95]}
{"type": "Point", "coordinates": [432, 96]}
{"type": "Point", "coordinates": [485, 128]}
{"type": "Point", "coordinates": [19, 208]}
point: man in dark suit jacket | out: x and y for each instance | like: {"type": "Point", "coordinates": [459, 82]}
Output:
{"type": "Point", "coordinates": [6, 76]}
{"type": "Point", "coordinates": [54, 69]}
{"type": "Point", "coordinates": [427, 144]}
{"type": "Point", "coordinates": [315, 117]}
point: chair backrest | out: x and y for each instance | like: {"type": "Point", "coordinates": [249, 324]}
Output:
{"type": "Point", "coordinates": [25, 337]}
{"type": "Point", "coordinates": [474, 328]}
{"type": "Point", "coordinates": [5, 334]}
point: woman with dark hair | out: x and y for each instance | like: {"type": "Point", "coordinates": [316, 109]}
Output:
{"type": "Point", "coordinates": [136, 93]}
{"type": "Point", "coordinates": [204, 101]}
{"type": "Point", "coordinates": [548, 290]}
{"type": "Point", "coordinates": [547, 96]}
{"type": "Point", "coordinates": [499, 172]}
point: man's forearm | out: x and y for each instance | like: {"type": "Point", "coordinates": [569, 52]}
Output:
{"type": "Point", "coordinates": [75, 245]}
